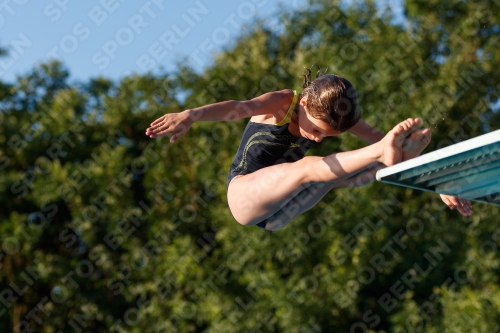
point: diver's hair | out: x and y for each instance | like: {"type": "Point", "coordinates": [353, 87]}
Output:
{"type": "Point", "coordinates": [332, 99]}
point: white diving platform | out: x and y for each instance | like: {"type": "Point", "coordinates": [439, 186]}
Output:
{"type": "Point", "coordinates": [468, 169]}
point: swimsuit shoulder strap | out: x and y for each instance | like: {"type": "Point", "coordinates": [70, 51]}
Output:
{"type": "Point", "coordinates": [289, 113]}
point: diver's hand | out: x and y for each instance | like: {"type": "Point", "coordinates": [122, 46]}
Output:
{"type": "Point", "coordinates": [175, 124]}
{"type": "Point", "coordinates": [462, 205]}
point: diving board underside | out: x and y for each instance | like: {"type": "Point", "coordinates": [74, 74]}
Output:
{"type": "Point", "coordinates": [468, 169]}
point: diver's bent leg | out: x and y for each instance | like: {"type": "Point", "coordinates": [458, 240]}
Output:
{"type": "Point", "coordinates": [257, 196]}
{"type": "Point", "coordinates": [311, 195]}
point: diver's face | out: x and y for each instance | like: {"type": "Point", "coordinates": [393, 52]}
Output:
{"type": "Point", "coordinates": [312, 128]}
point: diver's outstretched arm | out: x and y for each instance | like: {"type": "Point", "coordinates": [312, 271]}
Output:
{"type": "Point", "coordinates": [177, 124]}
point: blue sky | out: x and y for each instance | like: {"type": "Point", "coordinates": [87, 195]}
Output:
{"type": "Point", "coordinates": [114, 38]}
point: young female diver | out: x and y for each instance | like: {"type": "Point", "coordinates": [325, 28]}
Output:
{"type": "Point", "coordinates": [270, 181]}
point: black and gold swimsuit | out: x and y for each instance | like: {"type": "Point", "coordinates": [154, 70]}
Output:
{"type": "Point", "coordinates": [263, 145]}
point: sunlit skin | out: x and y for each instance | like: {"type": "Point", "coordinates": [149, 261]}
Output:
{"type": "Point", "coordinates": [316, 130]}
{"type": "Point", "coordinates": [269, 109]}
{"type": "Point", "coordinates": [308, 126]}
{"type": "Point", "coordinates": [303, 124]}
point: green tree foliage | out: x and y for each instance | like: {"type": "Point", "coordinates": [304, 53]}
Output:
{"type": "Point", "coordinates": [105, 230]}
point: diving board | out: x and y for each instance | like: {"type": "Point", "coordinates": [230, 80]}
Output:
{"type": "Point", "coordinates": [468, 169]}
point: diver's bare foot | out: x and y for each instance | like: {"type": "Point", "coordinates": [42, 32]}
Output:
{"type": "Point", "coordinates": [416, 143]}
{"type": "Point", "coordinates": [392, 143]}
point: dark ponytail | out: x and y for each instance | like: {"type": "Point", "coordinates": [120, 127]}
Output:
{"type": "Point", "coordinates": [307, 77]}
